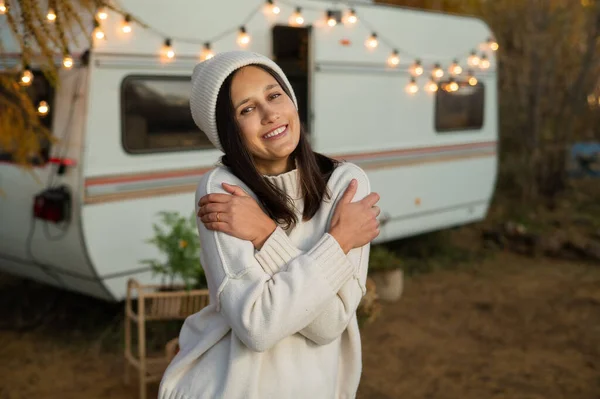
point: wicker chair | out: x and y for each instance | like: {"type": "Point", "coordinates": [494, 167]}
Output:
{"type": "Point", "coordinates": [153, 304]}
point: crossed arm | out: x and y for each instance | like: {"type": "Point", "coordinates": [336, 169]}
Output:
{"type": "Point", "coordinates": [314, 293]}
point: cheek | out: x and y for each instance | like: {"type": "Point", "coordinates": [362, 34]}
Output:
{"type": "Point", "coordinates": [248, 128]}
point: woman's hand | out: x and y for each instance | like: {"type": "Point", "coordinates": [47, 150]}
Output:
{"type": "Point", "coordinates": [236, 214]}
{"type": "Point", "coordinates": [355, 224]}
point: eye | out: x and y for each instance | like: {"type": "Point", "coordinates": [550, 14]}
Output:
{"type": "Point", "coordinates": [246, 110]}
{"type": "Point", "coordinates": [274, 96]}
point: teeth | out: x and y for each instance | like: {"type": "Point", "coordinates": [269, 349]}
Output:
{"type": "Point", "coordinates": [275, 132]}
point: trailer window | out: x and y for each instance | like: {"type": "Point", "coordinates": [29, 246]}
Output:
{"type": "Point", "coordinates": [155, 116]}
{"type": "Point", "coordinates": [461, 109]}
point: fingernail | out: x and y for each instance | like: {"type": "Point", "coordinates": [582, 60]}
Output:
{"type": "Point", "coordinates": [353, 182]}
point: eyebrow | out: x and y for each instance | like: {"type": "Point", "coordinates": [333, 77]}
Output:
{"type": "Point", "coordinates": [267, 88]}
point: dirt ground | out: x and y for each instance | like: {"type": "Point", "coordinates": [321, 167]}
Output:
{"type": "Point", "coordinates": [509, 327]}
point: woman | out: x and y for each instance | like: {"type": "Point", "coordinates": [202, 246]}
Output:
{"type": "Point", "coordinates": [285, 246]}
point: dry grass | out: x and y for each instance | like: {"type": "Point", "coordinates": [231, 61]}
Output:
{"type": "Point", "coordinates": [508, 327]}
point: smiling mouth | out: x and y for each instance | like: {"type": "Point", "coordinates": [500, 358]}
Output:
{"type": "Point", "coordinates": [276, 132]}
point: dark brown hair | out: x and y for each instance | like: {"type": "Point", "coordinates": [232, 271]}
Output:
{"type": "Point", "coordinates": [314, 168]}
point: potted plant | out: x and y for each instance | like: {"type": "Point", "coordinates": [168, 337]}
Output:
{"type": "Point", "coordinates": [176, 237]}
{"type": "Point", "coordinates": [385, 268]}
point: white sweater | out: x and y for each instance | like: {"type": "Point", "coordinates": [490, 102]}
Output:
{"type": "Point", "coordinates": [281, 322]}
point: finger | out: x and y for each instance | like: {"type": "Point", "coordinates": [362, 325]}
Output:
{"type": "Point", "coordinates": [376, 211]}
{"type": "Point", "coordinates": [370, 200]}
{"type": "Point", "coordinates": [235, 190]}
{"type": "Point", "coordinates": [216, 226]}
{"type": "Point", "coordinates": [213, 207]}
{"type": "Point", "coordinates": [349, 193]}
{"type": "Point", "coordinates": [212, 217]}
{"type": "Point", "coordinates": [214, 197]}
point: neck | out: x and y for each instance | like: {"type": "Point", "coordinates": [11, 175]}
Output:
{"type": "Point", "coordinates": [276, 168]}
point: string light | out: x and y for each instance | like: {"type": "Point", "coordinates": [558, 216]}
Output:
{"type": "Point", "coordinates": [474, 59]}
{"type": "Point", "coordinates": [51, 16]}
{"type": "Point", "coordinates": [394, 59]}
{"type": "Point", "coordinates": [412, 87]}
{"type": "Point", "coordinates": [167, 49]}
{"type": "Point", "coordinates": [437, 72]}
{"type": "Point", "coordinates": [68, 61]}
{"type": "Point", "coordinates": [3, 7]}
{"type": "Point", "coordinates": [372, 41]}
{"type": "Point", "coordinates": [243, 38]}
{"type": "Point", "coordinates": [297, 19]}
{"type": "Point", "coordinates": [330, 19]}
{"type": "Point", "coordinates": [485, 62]}
{"type": "Point", "coordinates": [493, 45]}
{"type": "Point", "coordinates": [471, 78]}
{"type": "Point", "coordinates": [26, 76]}
{"type": "Point", "coordinates": [43, 108]}
{"type": "Point", "coordinates": [455, 68]}
{"type": "Point", "coordinates": [431, 86]}
{"type": "Point", "coordinates": [416, 69]}
{"type": "Point", "coordinates": [351, 18]}
{"type": "Point", "coordinates": [451, 86]}
{"type": "Point", "coordinates": [207, 53]}
{"type": "Point", "coordinates": [126, 25]}
{"type": "Point", "coordinates": [98, 32]}
{"type": "Point", "coordinates": [102, 14]}
{"type": "Point", "coordinates": [272, 7]}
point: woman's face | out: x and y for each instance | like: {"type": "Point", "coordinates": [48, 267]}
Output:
{"type": "Point", "coordinates": [267, 118]}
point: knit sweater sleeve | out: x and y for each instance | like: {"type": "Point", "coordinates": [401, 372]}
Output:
{"type": "Point", "coordinates": [331, 322]}
{"type": "Point", "coordinates": [263, 309]}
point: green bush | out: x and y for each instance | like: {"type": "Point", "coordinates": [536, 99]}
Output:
{"type": "Point", "coordinates": [177, 238]}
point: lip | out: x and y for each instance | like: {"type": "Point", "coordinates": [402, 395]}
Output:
{"type": "Point", "coordinates": [279, 135]}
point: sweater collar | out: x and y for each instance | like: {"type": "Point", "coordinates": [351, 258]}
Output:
{"type": "Point", "coordinates": [288, 182]}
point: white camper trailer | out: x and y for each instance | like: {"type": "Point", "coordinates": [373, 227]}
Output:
{"type": "Point", "coordinates": [127, 147]}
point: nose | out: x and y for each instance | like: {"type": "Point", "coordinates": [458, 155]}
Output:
{"type": "Point", "coordinates": [270, 114]}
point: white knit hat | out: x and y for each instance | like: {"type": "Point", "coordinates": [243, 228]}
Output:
{"type": "Point", "coordinates": [207, 79]}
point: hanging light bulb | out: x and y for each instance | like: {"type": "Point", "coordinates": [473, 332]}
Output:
{"type": "Point", "coordinates": [351, 18]}
{"type": "Point", "coordinates": [394, 59]}
{"type": "Point", "coordinates": [243, 38]}
{"type": "Point", "coordinates": [3, 7]}
{"type": "Point", "coordinates": [372, 41]}
{"type": "Point", "coordinates": [102, 14]}
{"type": "Point", "coordinates": [126, 25]}
{"type": "Point", "coordinates": [26, 76]}
{"type": "Point", "coordinates": [51, 16]}
{"type": "Point", "coordinates": [68, 61]}
{"type": "Point", "coordinates": [591, 98]}
{"type": "Point", "coordinates": [471, 78]}
{"type": "Point", "coordinates": [207, 53]}
{"type": "Point", "coordinates": [492, 44]}
{"type": "Point", "coordinates": [474, 59]}
{"type": "Point", "coordinates": [455, 68]}
{"type": "Point", "coordinates": [167, 49]}
{"type": "Point", "coordinates": [272, 7]}
{"type": "Point", "coordinates": [451, 86]}
{"type": "Point", "coordinates": [297, 19]}
{"type": "Point", "coordinates": [331, 19]}
{"type": "Point", "coordinates": [431, 86]}
{"type": "Point", "coordinates": [43, 108]}
{"type": "Point", "coordinates": [485, 62]}
{"type": "Point", "coordinates": [98, 32]}
{"type": "Point", "coordinates": [412, 87]}
{"type": "Point", "coordinates": [416, 69]}
{"type": "Point", "coordinates": [437, 72]}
